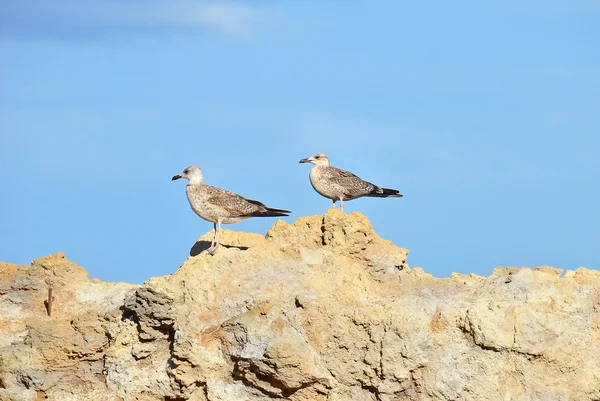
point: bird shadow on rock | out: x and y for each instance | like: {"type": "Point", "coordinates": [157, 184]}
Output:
{"type": "Point", "coordinates": [202, 246]}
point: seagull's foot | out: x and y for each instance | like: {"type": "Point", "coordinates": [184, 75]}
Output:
{"type": "Point", "coordinates": [213, 249]}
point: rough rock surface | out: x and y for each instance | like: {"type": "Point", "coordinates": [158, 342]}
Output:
{"type": "Point", "coordinates": [322, 309]}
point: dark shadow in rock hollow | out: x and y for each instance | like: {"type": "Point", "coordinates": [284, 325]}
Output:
{"type": "Point", "coordinates": [201, 246]}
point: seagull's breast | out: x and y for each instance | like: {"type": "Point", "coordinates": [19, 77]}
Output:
{"type": "Point", "coordinates": [321, 183]}
{"type": "Point", "coordinates": [199, 203]}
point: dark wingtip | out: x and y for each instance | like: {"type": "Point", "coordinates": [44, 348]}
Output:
{"type": "Point", "coordinates": [272, 213]}
{"type": "Point", "coordinates": [385, 193]}
{"type": "Point", "coordinates": [279, 212]}
{"type": "Point", "coordinates": [390, 192]}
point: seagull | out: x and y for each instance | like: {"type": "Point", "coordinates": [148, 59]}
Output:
{"type": "Point", "coordinates": [337, 184]}
{"type": "Point", "coordinates": [218, 205]}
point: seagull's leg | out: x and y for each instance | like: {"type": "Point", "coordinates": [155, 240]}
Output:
{"type": "Point", "coordinates": [211, 250]}
{"type": "Point", "coordinates": [212, 244]}
{"type": "Point", "coordinates": [218, 235]}
{"type": "Point", "coordinates": [342, 205]}
{"type": "Point", "coordinates": [334, 203]}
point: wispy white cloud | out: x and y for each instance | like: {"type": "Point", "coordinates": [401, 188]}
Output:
{"type": "Point", "coordinates": [234, 19]}
{"type": "Point", "coordinates": [69, 18]}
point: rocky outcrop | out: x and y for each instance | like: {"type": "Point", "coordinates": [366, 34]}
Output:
{"type": "Point", "coordinates": [322, 309]}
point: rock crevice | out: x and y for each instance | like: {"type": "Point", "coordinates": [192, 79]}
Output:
{"type": "Point", "coordinates": [319, 310]}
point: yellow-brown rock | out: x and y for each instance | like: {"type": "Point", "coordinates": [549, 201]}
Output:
{"type": "Point", "coordinates": [319, 310]}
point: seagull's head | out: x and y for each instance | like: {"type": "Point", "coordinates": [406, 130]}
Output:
{"type": "Point", "coordinates": [320, 159]}
{"type": "Point", "coordinates": [191, 173]}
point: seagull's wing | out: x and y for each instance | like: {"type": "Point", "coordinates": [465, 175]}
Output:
{"type": "Point", "coordinates": [234, 204]}
{"type": "Point", "coordinates": [352, 184]}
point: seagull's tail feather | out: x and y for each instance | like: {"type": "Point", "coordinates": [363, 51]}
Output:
{"type": "Point", "coordinates": [385, 193]}
{"type": "Point", "coordinates": [271, 212]}
{"type": "Point", "coordinates": [265, 211]}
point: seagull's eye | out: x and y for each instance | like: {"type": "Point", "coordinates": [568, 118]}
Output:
{"type": "Point", "coordinates": [186, 171]}
{"type": "Point", "coordinates": [317, 157]}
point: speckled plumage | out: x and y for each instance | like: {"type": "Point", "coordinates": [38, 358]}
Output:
{"type": "Point", "coordinates": [220, 206]}
{"type": "Point", "coordinates": [337, 184]}
{"type": "Point", "coordinates": [214, 204]}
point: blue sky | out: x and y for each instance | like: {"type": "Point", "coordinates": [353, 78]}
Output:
{"type": "Point", "coordinates": [484, 114]}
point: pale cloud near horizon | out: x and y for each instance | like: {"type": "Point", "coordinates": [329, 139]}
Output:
{"type": "Point", "coordinates": [66, 18]}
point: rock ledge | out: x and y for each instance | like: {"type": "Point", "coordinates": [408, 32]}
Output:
{"type": "Point", "coordinates": [321, 309]}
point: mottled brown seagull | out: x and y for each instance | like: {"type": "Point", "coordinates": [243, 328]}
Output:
{"type": "Point", "coordinates": [337, 184]}
{"type": "Point", "coordinates": [219, 205]}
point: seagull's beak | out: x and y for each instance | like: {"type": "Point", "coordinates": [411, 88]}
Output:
{"type": "Point", "coordinates": [305, 161]}
{"type": "Point", "coordinates": [176, 177]}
